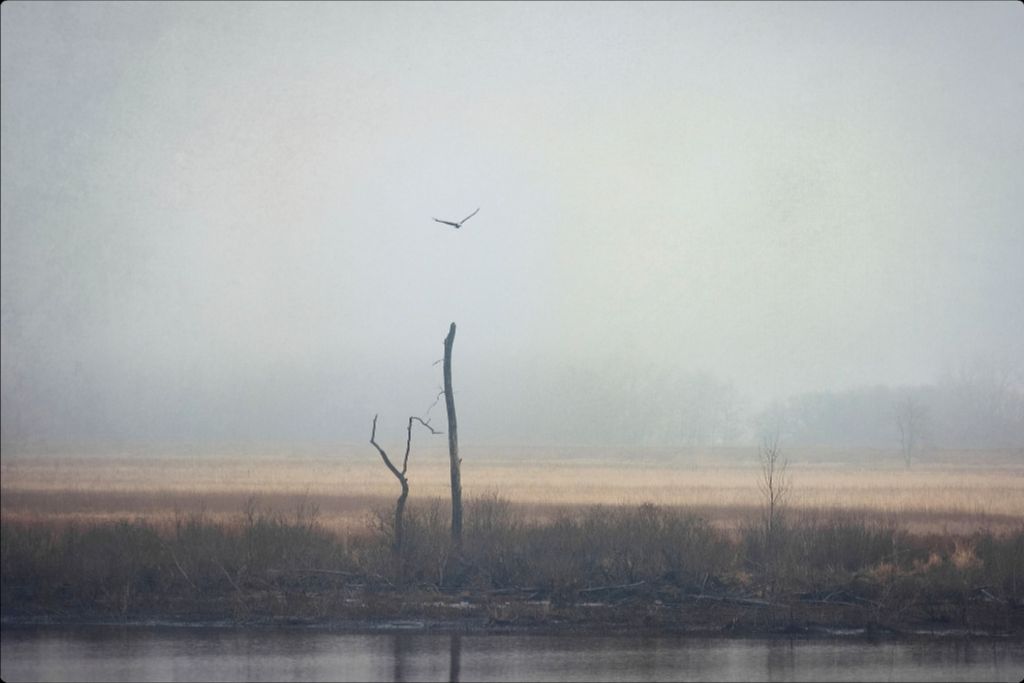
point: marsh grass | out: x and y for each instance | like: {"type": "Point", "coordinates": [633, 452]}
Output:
{"type": "Point", "coordinates": [131, 542]}
{"type": "Point", "coordinates": [285, 564]}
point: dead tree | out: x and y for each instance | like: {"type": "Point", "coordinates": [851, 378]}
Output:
{"type": "Point", "coordinates": [453, 442]}
{"type": "Point", "coordinates": [911, 419]}
{"type": "Point", "coordinates": [400, 475]}
{"type": "Point", "coordinates": [774, 484]}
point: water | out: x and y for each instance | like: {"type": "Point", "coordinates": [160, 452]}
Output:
{"type": "Point", "coordinates": [227, 654]}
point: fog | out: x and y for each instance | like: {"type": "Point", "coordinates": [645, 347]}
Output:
{"type": "Point", "coordinates": [217, 220]}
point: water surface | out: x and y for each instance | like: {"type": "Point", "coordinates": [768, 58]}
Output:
{"type": "Point", "coordinates": [229, 654]}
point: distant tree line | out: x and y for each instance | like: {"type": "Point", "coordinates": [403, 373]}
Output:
{"type": "Point", "coordinates": [975, 406]}
{"type": "Point", "coordinates": [621, 405]}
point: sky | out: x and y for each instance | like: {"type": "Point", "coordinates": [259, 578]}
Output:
{"type": "Point", "coordinates": [217, 223]}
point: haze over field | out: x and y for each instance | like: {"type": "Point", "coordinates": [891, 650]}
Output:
{"type": "Point", "coordinates": [216, 220]}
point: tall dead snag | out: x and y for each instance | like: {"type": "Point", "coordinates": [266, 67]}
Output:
{"type": "Point", "coordinates": [453, 442]}
{"type": "Point", "coordinates": [400, 475]}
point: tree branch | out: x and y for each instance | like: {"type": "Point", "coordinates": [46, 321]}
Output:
{"type": "Point", "coordinates": [425, 424]}
{"type": "Point", "coordinates": [408, 439]}
{"type": "Point", "coordinates": [384, 456]}
{"type": "Point", "coordinates": [436, 399]}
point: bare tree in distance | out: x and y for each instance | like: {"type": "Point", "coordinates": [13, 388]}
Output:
{"type": "Point", "coordinates": [400, 475]}
{"type": "Point", "coordinates": [774, 484]}
{"type": "Point", "coordinates": [982, 404]}
{"type": "Point", "coordinates": [911, 420]}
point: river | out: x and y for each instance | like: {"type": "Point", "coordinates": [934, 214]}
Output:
{"type": "Point", "coordinates": [163, 653]}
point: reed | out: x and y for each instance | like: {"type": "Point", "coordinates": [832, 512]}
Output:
{"type": "Point", "coordinates": [263, 563]}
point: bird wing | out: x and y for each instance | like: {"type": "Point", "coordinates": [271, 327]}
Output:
{"type": "Point", "coordinates": [469, 216]}
{"type": "Point", "coordinates": [454, 225]}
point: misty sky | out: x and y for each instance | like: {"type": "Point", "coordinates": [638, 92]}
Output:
{"type": "Point", "coordinates": [216, 218]}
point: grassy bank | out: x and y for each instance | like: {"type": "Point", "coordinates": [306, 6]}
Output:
{"type": "Point", "coordinates": [590, 566]}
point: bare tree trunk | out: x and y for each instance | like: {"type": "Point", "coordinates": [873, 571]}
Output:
{"type": "Point", "coordinates": [400, 475]}
{"type": "Point", "coordinates": [453, 442]}
{"type": "Point", "coordinates": [399, 517]}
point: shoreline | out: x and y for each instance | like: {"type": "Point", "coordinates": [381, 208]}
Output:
{"type": "Point", "coordinates": [478, 627]}
{"type": "Point", "coordinates": [479, 614]}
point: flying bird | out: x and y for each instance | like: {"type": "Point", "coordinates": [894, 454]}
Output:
{"type": "Point", "coordinates": [459, 224]}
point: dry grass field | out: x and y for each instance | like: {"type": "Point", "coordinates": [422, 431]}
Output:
{"type": "Point", "coordinates": [273, 538]}
{"type": "Point", "coordinates": [958, 495]}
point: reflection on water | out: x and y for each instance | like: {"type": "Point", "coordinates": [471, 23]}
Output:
{"type": "Point", "coordinates": [454, 657]}
{"type": "Point", "coordinates": [167, 654]}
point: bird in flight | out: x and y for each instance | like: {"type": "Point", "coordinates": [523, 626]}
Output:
{"type": "Point", "coordinates": [459, 224]}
